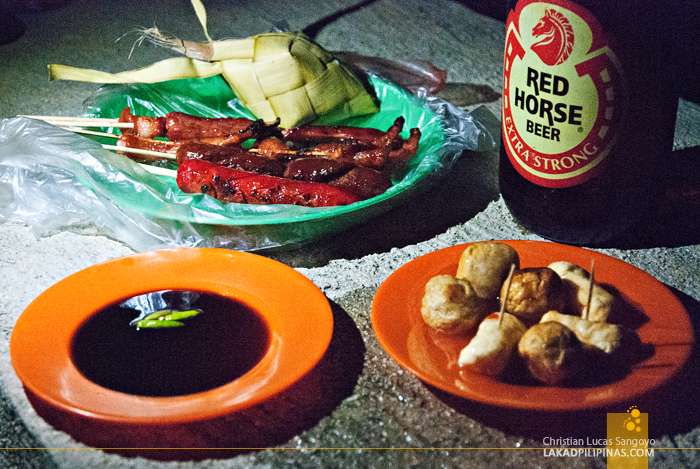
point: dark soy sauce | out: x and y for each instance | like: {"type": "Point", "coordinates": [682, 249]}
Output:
{"type": "Point", "coordinates": [212, 349]}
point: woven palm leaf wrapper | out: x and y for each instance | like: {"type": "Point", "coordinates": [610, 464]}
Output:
{"type": "Point", "coordinates": [290, 77]}
{"type": "Point", "coordinates": [274, 75]}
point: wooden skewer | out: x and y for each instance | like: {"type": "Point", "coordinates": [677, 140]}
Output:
{"type": "Point", "coordinates": [149, 168]}
{"type": "Point", "coordinates": [82, 121]}
{"type": "Point", "coordinates": [100, 120]}
{"type": "Point", "coordinates": [509, 280]}
{"type": "Point", "coordinates": [158, 170]}
{"type": "Point", "coordinates": [138, 151]}
{"type": "Point", "coordinates": [590, 291]}
{"type": "Point", "coordinates": [90, 132]}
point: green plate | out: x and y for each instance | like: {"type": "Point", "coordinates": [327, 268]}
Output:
{"type": "Point", "coordinates": [251, 227]}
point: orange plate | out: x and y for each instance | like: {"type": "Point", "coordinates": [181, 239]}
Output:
{"type": "Point", "coordinates": [300, 331]}
{"type": "Point", "coordinates": [398, 324]}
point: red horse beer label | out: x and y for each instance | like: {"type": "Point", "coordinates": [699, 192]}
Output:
{"type": "Point", "coordinates": [562, 90]}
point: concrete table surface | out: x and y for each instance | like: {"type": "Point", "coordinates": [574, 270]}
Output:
{"type": "Point", "coordinates": [375, 414]}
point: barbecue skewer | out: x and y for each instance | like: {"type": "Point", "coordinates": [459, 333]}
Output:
{"type": "Point", "coordinates": [148, 152]}
{"type": "Point", "coordinates": [75, 124]}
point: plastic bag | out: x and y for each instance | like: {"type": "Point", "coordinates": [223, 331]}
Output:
{"type": "Point", "coordinates": [61, 180]}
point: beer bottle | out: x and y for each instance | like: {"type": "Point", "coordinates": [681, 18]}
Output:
{"type": "Point", "coordinates": [589, 108]}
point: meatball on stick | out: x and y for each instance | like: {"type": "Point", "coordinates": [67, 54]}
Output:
{"type": "Point", "coordinates": [491, 349]}
{"type": "Point", "coordinates": [611, 339]}
{"type": "Point", "coordinates": [576, 281]}
{"type": "Point", "coordinates": [534, 292]}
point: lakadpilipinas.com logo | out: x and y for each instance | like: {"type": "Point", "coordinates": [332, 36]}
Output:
{"type": "Point", "coordinates": [627, 444]}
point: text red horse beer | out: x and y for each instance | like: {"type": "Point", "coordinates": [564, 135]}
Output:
{"type": "Point", "coordinates": [589, 107]}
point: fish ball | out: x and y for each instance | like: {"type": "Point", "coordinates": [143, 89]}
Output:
{"type": "Point", "coordinates": [450, 304]}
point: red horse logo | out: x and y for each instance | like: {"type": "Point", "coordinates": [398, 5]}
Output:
{"type": "Point", "coordinates": [558, 38]}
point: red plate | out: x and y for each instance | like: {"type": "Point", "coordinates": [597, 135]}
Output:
{"type": "Point", "coordinates": [432, 357]}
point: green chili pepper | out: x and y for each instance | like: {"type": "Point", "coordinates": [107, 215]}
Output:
{"type": "Point", "coordinates": [158, 315]}
{"type": "Point", "coordinates": [175, 315]}
{"type": "Point", "coordinates": [147, 324]}
{"type": "Point", "coordinates": [166, 318]}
